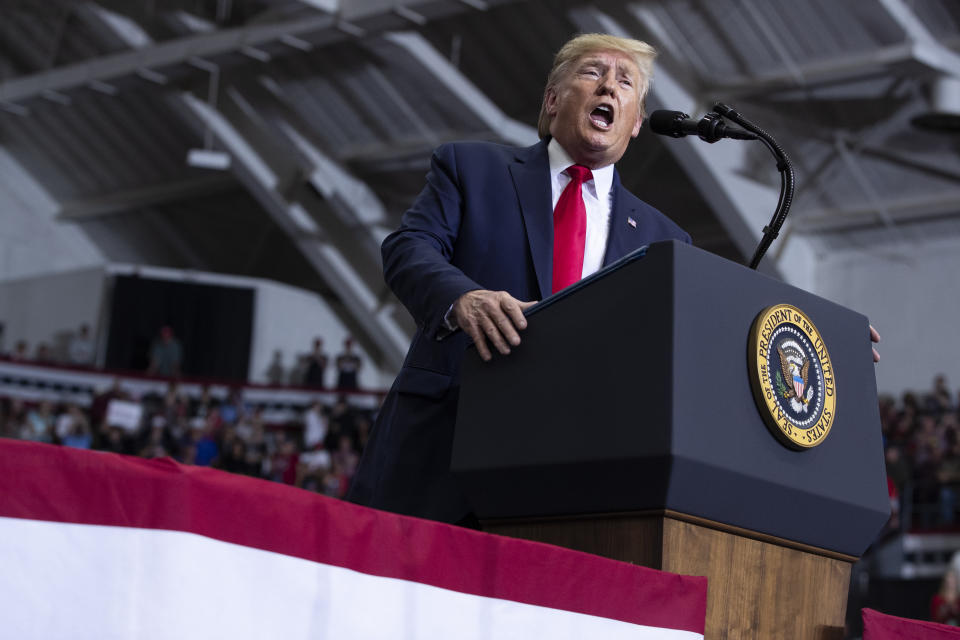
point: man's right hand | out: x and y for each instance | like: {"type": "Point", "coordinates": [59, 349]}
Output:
{"type": "Point", "coordinates": [496, 315]}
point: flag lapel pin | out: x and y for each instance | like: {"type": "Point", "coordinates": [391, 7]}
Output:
{"type": "Point", "coordinates": [632, 222]}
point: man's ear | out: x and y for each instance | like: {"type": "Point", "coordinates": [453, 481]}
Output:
{"type": "Point", "coordinates": [550, 100]}
{"type": "Point", "coordinates": [636, 127]}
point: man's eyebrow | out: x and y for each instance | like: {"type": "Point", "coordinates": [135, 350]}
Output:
{"type": "Point", "coordinates": [627, 70]}
{"type": "Point", "coordinates": [596, 62]}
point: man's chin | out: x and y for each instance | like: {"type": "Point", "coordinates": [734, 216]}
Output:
{"type": "Point", "coordinates": [602, 151]}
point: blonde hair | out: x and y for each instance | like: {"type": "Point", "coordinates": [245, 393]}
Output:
{"type": "Point", "coordinates": [579, 46]}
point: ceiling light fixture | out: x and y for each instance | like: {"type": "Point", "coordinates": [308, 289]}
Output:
{"type": "Point", "coordinates": [944, 115]}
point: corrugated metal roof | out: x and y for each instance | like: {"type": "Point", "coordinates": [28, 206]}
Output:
{"type": "Point", "coordinates": [835, 82]}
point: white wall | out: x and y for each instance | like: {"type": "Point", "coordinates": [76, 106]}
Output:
{"type": "Point", "coordinates": [911, 294]}
{"type": "Point", "coordinates": [37, 309]}
{"type": "Point", "coordinates": [32, 241]}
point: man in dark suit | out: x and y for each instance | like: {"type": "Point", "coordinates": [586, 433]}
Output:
{"type": "Point", "coordinates": [495, 229]}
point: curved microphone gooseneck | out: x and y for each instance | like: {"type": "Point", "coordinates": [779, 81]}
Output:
{"type": "Point", "coordinates": [711, 128]}
{"type": "Point", "coordinates": [772, 230]}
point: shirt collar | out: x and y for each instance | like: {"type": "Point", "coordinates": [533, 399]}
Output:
{"type": "Point", "coordinates": [560, 160]}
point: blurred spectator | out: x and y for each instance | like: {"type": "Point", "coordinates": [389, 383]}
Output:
{"type": "Point", "coordinates": [19, 353]}
{"type": "Point", "coordinates": [234, 458]}
{"type": "Point", "coordinates": [166, 354]}
{"type": "Point", "coordinates": [80, 349]}
{"type": "Point", "coordinates": [314, 426]}
{"type": "Point", "coordinates": [204, 441]}
{"type": "Point", "coordinates": [39, 423]}
{"type": "Point", "coordinates": [67, 419]}
{"type": "Point", "coordinates": [42, 355]}
{"type": "Point", "coordinates": [98, 411]}
{"type": "Point", "coordinates": [175, 405]}
{"type": "Point", "coordinates": [941, 394]}
{"type": "Point", "coordinates": [15, 419]}
{"type": "Point", "coordinates": [945, 605]}
{"type": "Point", "coordinates": [898, 469]}
{"type": "Point", "coordinates": [316, 366]}
{"type": "Point", "coordinates": [345, 456]}
{"type": "Point", "coordinates": [313, 467]}
{"type": "Point", "coordinates": [159, 441]}
{"type": "Point", "coordinates": [80, 436]}
{"type": "Point", "coordinates": [188, 453]}
{"type": "Point", "coordinates": [336, 483]}
{"type": "Point", "coordinates": [284, 463]}
{"type": "Point", "coordinates": [117, 440]}
{"type": "Point", "coordinates": [245, 425]}
{"type": "Point", "coordinates": [362, 424]}
{"type": "Point", "coordinates": [258, 449]}
{"type": "Point", "coordinates": [276, 374]}
{"type": "Point", "coordinates": [233, 409]}
{"type": "Point", "coordinates": [298, 372]}
{"type": "Point", "coordinates": [348, 366]}
{"type": "Point", "coordinates": [341, 423]}
{"type": "Point", "coordinates": [205, 403]}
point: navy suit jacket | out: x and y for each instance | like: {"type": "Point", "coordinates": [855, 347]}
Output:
{"type": "Point", "coordinates": [483, 221]}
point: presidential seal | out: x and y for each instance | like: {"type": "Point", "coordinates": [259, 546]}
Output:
{"type": "Point", "coordinates": [791, 376]}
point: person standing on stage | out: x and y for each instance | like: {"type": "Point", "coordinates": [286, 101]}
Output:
{"type": "Point", "coordinates": [495, 229]}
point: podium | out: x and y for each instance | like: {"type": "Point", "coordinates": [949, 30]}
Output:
{"type": "Point", "coordinates": [625, 425]}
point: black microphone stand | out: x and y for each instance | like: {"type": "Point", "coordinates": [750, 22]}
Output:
{"type": "Point", "coordinates": [772, 230]}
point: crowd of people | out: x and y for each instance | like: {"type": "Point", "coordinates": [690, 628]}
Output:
{"type": "Point", "coordinates": [77, 349]}
{"type": "Point", "coordinates": [310, 369]}
{"type": "Point", "coordinates": [321, 448]}
{"type": "Point", "coordinates": [922, 450]}
{"type": "Point", "coordinates": [166, 357]}
{"type": "Point", "coordinates": [317, 450]}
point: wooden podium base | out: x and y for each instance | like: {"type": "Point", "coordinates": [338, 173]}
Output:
{"type": "Point", "coordinates": [758, 586]}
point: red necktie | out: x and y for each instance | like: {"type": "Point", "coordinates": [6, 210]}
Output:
{"type": "Point", "coordinates": [570, 230]}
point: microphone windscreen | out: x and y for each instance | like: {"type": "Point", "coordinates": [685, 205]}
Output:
{"type": "Point", "coordinates": [666, 122]}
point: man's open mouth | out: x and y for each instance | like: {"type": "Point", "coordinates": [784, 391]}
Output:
{"type": "Point", "coordinates": [602, 116]}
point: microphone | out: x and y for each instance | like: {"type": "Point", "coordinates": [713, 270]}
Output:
{"type": "Point", "coordinates": [711, 127]}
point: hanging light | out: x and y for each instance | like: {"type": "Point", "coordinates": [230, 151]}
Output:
{"type": "Point", "coordinates": [944, 115]}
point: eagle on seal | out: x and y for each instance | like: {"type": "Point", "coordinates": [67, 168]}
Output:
{"type": "Point", "coordinates": [799, 374]}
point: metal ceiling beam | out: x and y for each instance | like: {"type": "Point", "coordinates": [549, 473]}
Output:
{"type": "Point", "coordinates": [902, 211]}
{"type": "Point", "coordinates": [163, 54]}
{"type": "Point", "coordinates": [356, 204]}
{"type": "Point", "coordinates": [926, 49]}
{"type": "Point", "coordinates": [860, 177]}
{"type": "Point", "coordinates": [367, 312]}
{"type": "Point", "coordinates": [836, 68]}
{"type": "Point", "coordinates": [336, 27]}
{"type": "Point", "coordinates": [135, 200]}
{"type": "Point", "coordinates": [937, 170]}
{"type": "Point", "coordinates": [920, 47]}
{"type": "Point", "coordinates": [460, 86]}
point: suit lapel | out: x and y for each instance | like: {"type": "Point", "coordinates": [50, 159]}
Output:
{"type": "Point", "coordinates": [531, 178]}
{"type": "Point", "coordinates": [622, 236]}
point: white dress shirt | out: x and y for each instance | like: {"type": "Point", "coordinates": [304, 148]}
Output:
{"type": "Point", "coordinates": [596, 199]}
